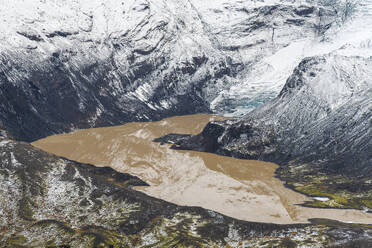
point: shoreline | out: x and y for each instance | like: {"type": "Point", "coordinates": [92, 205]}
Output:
{"type": "Point", "coordinates": [221, 183]}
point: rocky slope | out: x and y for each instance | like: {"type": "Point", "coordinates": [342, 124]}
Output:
{"type": "Point", "coordinates": [319, 126]}
{"type": "Point", "coordinates": [318, 129]}
{"type": "Point", "coordinates": [48, 201]}
{"type": "Point", "coordinates": [77, 64]}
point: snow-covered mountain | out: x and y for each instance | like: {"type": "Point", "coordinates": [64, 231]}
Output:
{"type": "Point", "coordinates": [318, 129]}
{"type": "Point", "coordinates": [68, 64]}
{"type": "Point", "coordinates": [77, 64]}
{"type": "Point", "coordinates": [74, 64]}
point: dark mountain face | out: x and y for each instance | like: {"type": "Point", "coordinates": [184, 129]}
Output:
{"type": "Point", "coordinates": [55, 98]}
{"type": "Point", "coordinates": [145, 61]}
{"type": "Point", "coordinates": [318, 129]}
{"type": "Point", "coordinates": [67, 65]}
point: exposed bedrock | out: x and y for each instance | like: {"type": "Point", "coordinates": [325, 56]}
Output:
{"type": "Point", "coordinates": [318, 126]}
{"type": "Point", "coordinates": [145, 60]}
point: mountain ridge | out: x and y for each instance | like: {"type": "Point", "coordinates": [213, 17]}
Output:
{"type": "Point", "coordinates": [147, 60]}
{"type": "Point", "coordinates": [317, 129]}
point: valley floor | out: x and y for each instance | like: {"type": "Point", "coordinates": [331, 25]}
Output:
{"type": "Point", "coordinates": [243, 189]}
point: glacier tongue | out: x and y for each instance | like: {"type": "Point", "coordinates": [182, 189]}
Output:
{"type": "Point", "coordinates": [271, 64]}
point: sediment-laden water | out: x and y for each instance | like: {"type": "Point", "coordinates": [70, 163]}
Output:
{"type": "Point", "coordinates": [242, 189]}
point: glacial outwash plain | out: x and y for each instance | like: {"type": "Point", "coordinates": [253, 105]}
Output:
{"type": "Point", "coordinates": [185, 123]}
{"type": "Point", "coordinates": [243, 189]}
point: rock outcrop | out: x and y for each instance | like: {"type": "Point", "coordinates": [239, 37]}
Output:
{"type": "Point", "coordinates": [318, 129]}
{"type": "Point", "coordinates": [74, 64]}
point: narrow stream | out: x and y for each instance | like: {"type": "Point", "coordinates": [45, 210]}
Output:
{"type": "Point", "coordinates": [241, 189]}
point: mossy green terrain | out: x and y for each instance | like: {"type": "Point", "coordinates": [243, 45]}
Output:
{"type": "Point", "coordinates": [47, 201]}
{"type": "Point", "coordinates": [337, 191]}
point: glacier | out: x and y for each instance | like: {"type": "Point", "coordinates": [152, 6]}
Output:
{"type": "Point", "coordinates": [81, 64]}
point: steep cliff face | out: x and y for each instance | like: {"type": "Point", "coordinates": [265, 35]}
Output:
{"type": "Point", "coordinates": [318, 129]}
{"type": "Point", "coordinates": [324, 111]}
{"type": "Point", "coordinates": [79, 64]}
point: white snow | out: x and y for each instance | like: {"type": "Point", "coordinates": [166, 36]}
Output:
{"type": "Point", "coordinates": [269, 74]}
{"type": "Point", "coordinates": [14, 161]}
{"type": "Point", "coordinates": [192, 28]}
{"type": "Point", "coordinates": [321, 198]}
{"type": "Point", "coordinates": [4, 143]}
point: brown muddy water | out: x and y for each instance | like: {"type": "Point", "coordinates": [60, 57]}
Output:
{"type": "Point", "coordinates": [242, 189]}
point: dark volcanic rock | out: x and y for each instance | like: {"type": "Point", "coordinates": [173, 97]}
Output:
{"type": "Point", "coordinates": [172, 138]}
{"type": "Point", "coordinates": [66, 65]}
{"type": "Point", "coordinates": [230, 138]}
{"type": "Point", "coordinates": [46, 201]}
{"type": "Point", "coordinates": [205, 141]}
{"type": "Point", "coordinates": [145, 62]}
{"type": "Point", "coordinates": [320, 124]}
{"type": "Point", "coordinates": [321, 114]}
